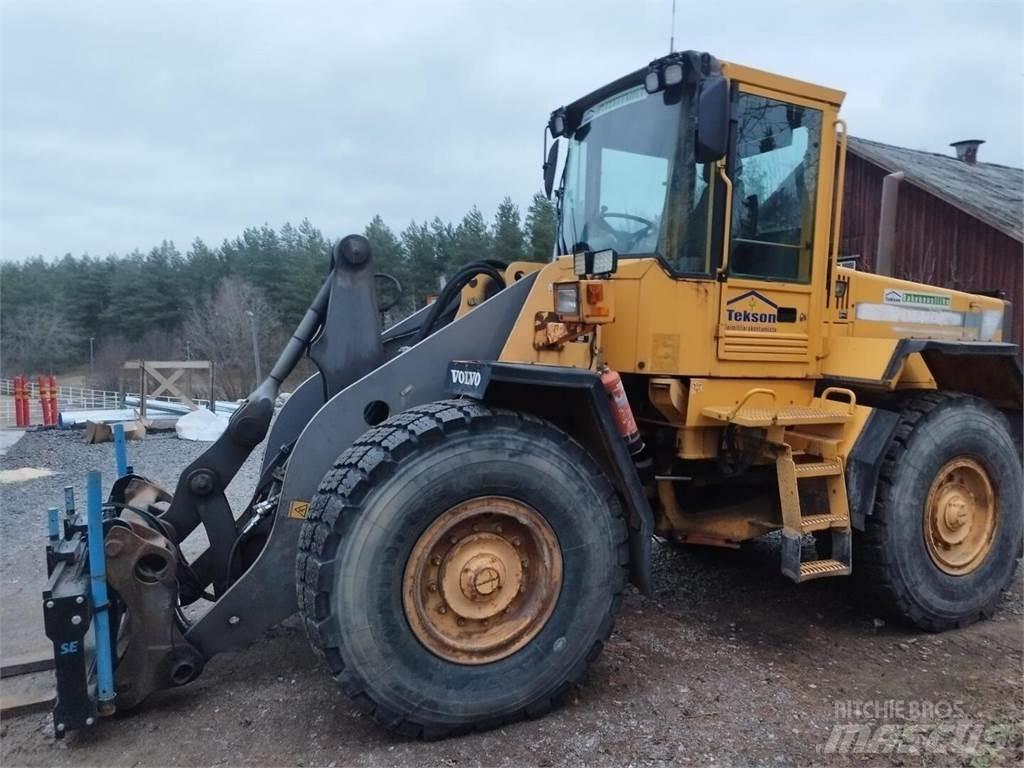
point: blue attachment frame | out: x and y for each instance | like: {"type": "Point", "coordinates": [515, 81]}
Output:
{"type": "Point", "coordinates": [98, 592]}
{"type": "Point", "coordinates": [120, 451]}
{"type": "Point", "coordinates": [69, 502]}
{"type": "Point", "coordinates": [53, 524]}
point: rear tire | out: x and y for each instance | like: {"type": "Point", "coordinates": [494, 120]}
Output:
{"type": "Point", "coordinates": [947, 531]}
{"type": "Point", "coordinates": [365, 535]}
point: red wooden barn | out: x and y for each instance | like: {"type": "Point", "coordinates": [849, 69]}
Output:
{"type": "Point", "coordinates": [958, 221]}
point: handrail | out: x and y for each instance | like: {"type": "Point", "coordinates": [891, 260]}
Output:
{"type": "Point", "coordinates": [837, 200]}
{"type": "Point", "coordinates": [727, 224]}
{"type": "Point", "coordinates": [750, 394]}
{"type": "Point", "coordinates": [849, 394]}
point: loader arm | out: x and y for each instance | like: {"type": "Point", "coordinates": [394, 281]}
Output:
{"type": "Point", "coordinates": [341, 330]}
{"type": "Point", "coordinates": [265, 594]}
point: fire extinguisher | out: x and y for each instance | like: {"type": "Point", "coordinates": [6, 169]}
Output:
{"type": "Point", "coordinates": [621, 410]}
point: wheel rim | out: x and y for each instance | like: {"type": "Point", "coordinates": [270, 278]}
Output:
{"type": "Point", "coordinates": [960, 516]}
{"type": "Point", "coordinates": [482, 580]}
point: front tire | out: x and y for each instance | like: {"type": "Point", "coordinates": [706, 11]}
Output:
{"type": "Point", "coordinates": [947, 528]}
{"type": "Point", "coordinates": [460, 567]}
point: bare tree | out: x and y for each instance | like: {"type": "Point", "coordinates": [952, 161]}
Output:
{"type": "Point", "coordinates": [221, 330]}
{"type": "Point", "coordinates": [38, 340]}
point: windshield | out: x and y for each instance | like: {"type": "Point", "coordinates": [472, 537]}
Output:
{"type": "Point", "coordinates": [630, 182]}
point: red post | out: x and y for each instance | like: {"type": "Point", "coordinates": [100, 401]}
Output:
{"type": "Point", "coordinates": [53, 399]}
{"type": "Point", "coordinates": [26, 407]}
{"type": "Point", "coordinates": [20, 402]}
{"type": "Point", "coordinates": [41, 381]}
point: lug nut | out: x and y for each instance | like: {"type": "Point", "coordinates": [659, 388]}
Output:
{"type": "Point", "coordinates": [79, 600]}
{"type": "Point", "coordinates": [432, 587]}
{"type": "Point", "coordinates": [476, 529]}
{"type": "Point", "coordinates": [461, 622]}
{"type": "Point", "coordinates": [515, 541]}
{"type": "Point", "coordinates": [442, 608]}
{"type": "Point", "coordinates": [497, 528]}
{"type": "Point", "coordinates": [89, 721]}
{"type": "Point", "coordinates": [76, 619]}
{"type": "Point", "coordinates": [435, 560]}
{"type": "Point", "coordinates": [49, 603]}
{"type": "Point", "coordinates": [525, 562]}
{"type": "Point", "coordinates": [453, 539]}
{"type": "Point", "coordinates": [232, 620]}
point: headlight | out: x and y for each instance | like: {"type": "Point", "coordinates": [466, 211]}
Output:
{"type": "Point", "coordinates": [567, 298]}
{"type": "Point", "coordinates": [652, 81]}
{"type": "Point", "coordinates": [579, 263]}
{"type": "Point", "coordinates": [673, 74]}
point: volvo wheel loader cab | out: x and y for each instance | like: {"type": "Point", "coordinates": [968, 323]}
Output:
{"type": "Point", "coordinates": [462, 497]}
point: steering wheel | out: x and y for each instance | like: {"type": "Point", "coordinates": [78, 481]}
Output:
{"type": "Point", "coordinates": [626, 240]}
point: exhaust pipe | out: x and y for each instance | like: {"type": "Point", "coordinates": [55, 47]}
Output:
{"type": "Point", "coordinates": [885, 251]}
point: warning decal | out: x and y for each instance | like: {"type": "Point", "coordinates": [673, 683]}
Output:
{"type": "Point", "coordinates": [298, 510]}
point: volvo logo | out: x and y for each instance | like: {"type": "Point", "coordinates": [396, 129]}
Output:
{"type": "Point", "coordinates": [466, 378]}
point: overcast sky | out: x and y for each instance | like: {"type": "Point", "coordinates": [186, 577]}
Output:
{"type": "Point", "coordinates": [127, 123]}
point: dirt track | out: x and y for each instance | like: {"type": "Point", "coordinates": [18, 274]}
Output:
{"type": "Point", "coordinates": [730, 664]}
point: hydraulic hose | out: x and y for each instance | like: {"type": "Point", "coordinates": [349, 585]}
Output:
{"type": "Point", "coordinates": [489, 267]}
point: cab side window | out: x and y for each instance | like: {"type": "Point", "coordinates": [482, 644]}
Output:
{"type": "Point", "coordinates": [775, 184]}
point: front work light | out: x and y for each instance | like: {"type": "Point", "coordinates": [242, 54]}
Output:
{"type": "Point", "coordinates": [557, 123]}
{"type": "Point", "coordinates": [652, 81]}
{"type": "Point", "coordinates": [672, 74]}
{"type": "Point", "coordinates": [595, 262]}
{"type": "Point", "coordinates": [567, 299]}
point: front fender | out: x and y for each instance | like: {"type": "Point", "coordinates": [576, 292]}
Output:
{"type": "Point", "coordinates": [574, 400]}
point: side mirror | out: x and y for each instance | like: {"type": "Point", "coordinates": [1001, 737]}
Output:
{"type": "Point", "coordinates": [549, 169]}
{"type": "Point", "coordinates": [712, 119]}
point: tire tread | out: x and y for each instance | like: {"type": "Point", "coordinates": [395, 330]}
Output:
{"type": "Point", "coordinates": [875, 567]}
{"type": "Point", "coordinates": [372, 459]}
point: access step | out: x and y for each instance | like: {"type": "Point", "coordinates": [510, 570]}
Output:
{"type": "Point", "coordinates": [816, 569]}
{"type": "Point", "coordinates": [841, 563]}
{"type": "Point", "coordinates": [823, 522]}
{"type": "Point", "coordinates": [826, 468]}
{"type": "Point", "coordinates": [786, 416]}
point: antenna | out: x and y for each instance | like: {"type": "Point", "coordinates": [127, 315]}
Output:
{"type": "Point", "coordinates": [672, 32]}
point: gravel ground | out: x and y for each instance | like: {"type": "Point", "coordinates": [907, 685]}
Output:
{"type": "Point", "coordinates": [729, 664]}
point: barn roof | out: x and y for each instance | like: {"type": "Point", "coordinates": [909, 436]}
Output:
{"type": "Point", "coordinates": [987, 191]}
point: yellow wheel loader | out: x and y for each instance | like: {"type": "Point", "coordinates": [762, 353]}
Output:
{"type": "Point", "coordinates": [455, 505]}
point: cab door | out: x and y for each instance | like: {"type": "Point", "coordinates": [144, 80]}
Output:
{"type": "Point", "coordinates": [771, 299]}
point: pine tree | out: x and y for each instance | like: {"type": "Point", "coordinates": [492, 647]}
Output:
{"type": "Point", "coordinates": [509, 244]}
{"type": "Point", "coordinates": [385, 247]}
{"type": "Point", "coordinates": [307, 259]}
{"type": "Point", "coordinates": [204, 271]}
{"type": "Point", "coordinates": [472, 242]}
{"type": "Point", "coordinates": [444, 243]}
{"type": "Point", "coordinates": [540, 229]}
{"type": "Point", "coordinates": [422, 264]}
